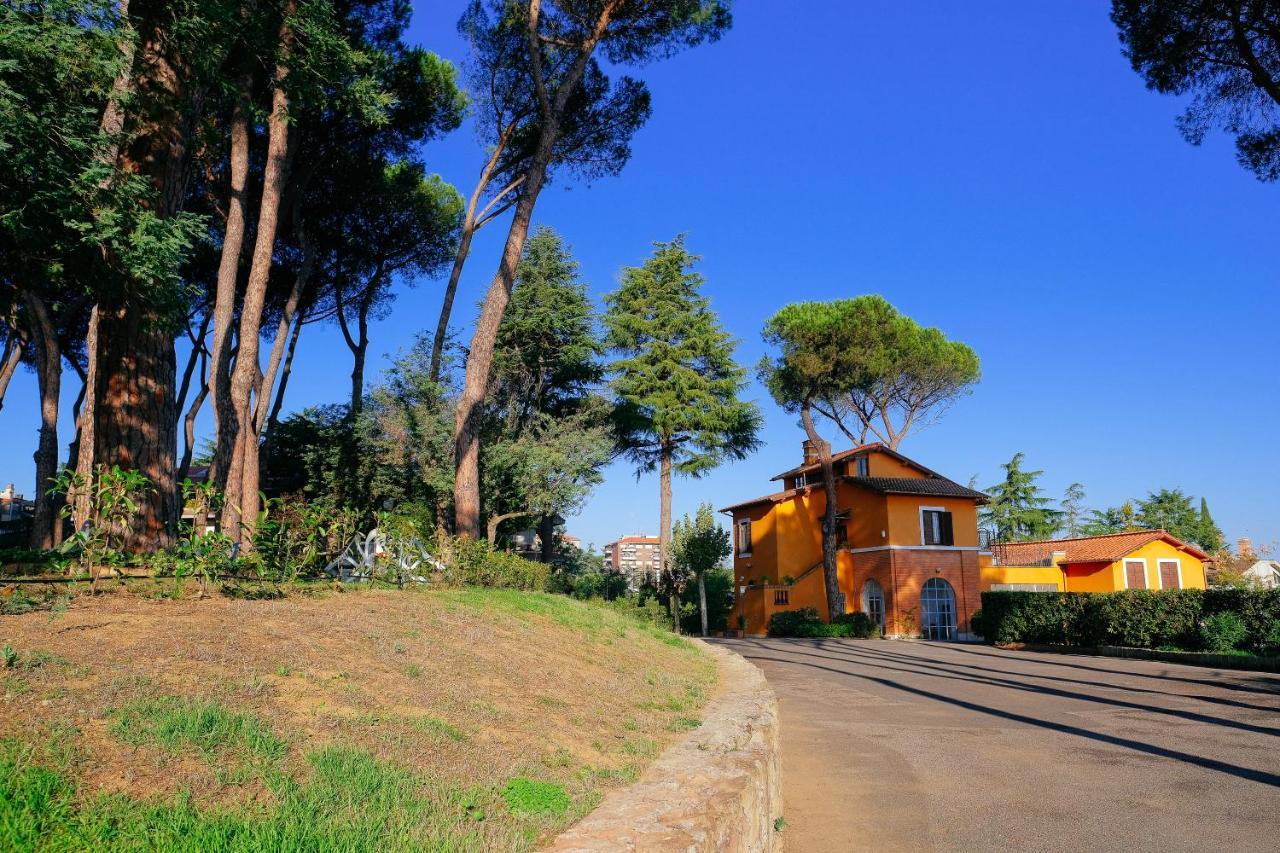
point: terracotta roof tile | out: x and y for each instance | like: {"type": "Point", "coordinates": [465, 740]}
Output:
{"type": "Point", "coordinates": [1087, 549]}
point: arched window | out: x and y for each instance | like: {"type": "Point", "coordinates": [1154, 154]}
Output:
{"type": "Point", "coordinates": [938, 610]}
{"type": "Point", "coordinates": [873, 602]}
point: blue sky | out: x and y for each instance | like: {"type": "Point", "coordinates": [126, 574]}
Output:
{"type": "Point", "coordinates": [992, 168]}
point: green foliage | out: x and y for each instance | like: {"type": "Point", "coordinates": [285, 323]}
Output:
{"type": "Point", "coordinates": [1072, 515]}
{"type": "Point", "coordinates": [1111, 520]}
{"type": "Point", "coordinates": [860, 624]}
{"type": "Point", "coordinates": [1134, 618]}
{"type": "Point", "coordinates": [1222, 632]}
{"type": "Point", "coordinates": [676, 383]}
{"type": "Point", "coordinates": [113, 495]}
{"type": "Point", "coordinates": [475, 563]}
{"type": "Point", "coordinates": [699, 544]}
{"type": "Point", "coordinates": [530, 796]}
{"type": "Point", "coordinates": [719, 586]}
{"type": "Point", "coordinates": [1170, 510]}
{"type": "Point", "coordinates": [1225, 56]}
{"type": "Point", "coordinates": [64, 203]}
{"type": "Point", "coordinates": [545, 435]}
{"type": "Point", "coordinates": [1018, 510]}
{"type": "Point", "coordinates": [295, 537]}
{"type": "Point", "coordinates": [1208, 535]}
{"type": "Point", "coordinates": [866, 367]}
{"type": "Point", "coordinates": [805, 622]}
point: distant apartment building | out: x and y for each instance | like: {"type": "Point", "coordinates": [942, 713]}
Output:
{"type": "Point", "coordinates": [636, 557]}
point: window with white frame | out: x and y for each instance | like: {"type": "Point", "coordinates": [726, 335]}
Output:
{"type": "Point", "coordinates": [861, 466]}
{"type": "Point", "coordinates": [1170, 574]}
{"type": "Point", "coordinates": [744, 537]}
{"type": "Point", "coordinates": [935, 526]}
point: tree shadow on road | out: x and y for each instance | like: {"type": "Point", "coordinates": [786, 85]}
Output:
{"type": "Point", "coordinates": [913, 659]}
{"type": "Point", "coordinates": [1264, 684]}
{"type": "Point", "coordinates": [1250, 774]}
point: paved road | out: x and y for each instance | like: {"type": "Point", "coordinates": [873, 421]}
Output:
{"type": "Point", "coordinates": [932, 746]}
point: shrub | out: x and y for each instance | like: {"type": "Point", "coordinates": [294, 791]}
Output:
{"type": "Point", "coordinates": [794, 623]}
{"type": "Point", "coordinates": [976, 624]}
{"type": "Point", "coordinates": [1134, 618]}
{"type": "Point", "coordinates": [860, 625]}
{"type": "Point", "coordinates": [1222, 632]}
{"type": "Point", "coordinates": [1271, 642]}
{"type": "Point", "coordinates": [475, 563]}
{"type": "Point", "coordinates": [805, 622]}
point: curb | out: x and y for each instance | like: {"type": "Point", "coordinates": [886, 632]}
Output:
{"type": "Point", "coordinates": [718, 789]}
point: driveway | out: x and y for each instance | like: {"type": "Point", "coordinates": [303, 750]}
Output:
{"type": "Point", "coordinates": [934, 746]}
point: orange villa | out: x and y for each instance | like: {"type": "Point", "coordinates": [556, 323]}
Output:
{"type": "Point", "coordinates": [909, 545]}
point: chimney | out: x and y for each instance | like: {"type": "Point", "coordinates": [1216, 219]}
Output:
{"type": "Point", "coordinates": [1244, 547]}
{"type": "Point", "coordinates": [810, 452]}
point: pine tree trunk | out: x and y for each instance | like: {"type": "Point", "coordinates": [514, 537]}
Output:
{"type": "Point", "coordinates": [450, 291]}
{"type": "Point", "coordinates": [702, 600]}
{"type": "Point", "coordinates": [358, 353]}
{"type": "Point", "coordinates": [136, 427]}
{"type": "Point", "coordinates": [48, 354]}
{"type": "Point", "coordinates": [241, 508]}
{"type": "Point", "coordinates": [274, 418]}
{"type": "Point", "coordinates": [547, 534]}
{"type": "Point", "coordinates": [664, 533]}
{"type": "Point", "coordinates": [12, 358]}
{"type": "Point", "coordinates": [283, 340]}
{"type": "Point", "coordinates": [189, 429]}
{"type": "Point", "coordinates": [225, 300]}
{"type": "Point", "coordinates": [88, 424]}
{"type": "Point", "coordinates": [466, 488]}
{"type": "Point", "coordinates": [830, 522]}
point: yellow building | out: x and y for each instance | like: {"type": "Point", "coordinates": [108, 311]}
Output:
{"type": "Point", "coordinates": [1139, 559]}
{"type": "Point", "coordinates": [909, 552]}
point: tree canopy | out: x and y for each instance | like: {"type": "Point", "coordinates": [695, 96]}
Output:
{"type": "Point", "coordinates": [1226, 55]}
{"type": "Point", "coordinates": [1018, 509]}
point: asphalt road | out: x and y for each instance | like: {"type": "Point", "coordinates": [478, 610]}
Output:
{"type": "Point", "coordinates": [933, 746]}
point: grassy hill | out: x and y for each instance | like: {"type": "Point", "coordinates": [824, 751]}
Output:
{"type": "Point", "coordinates": [467, 719]}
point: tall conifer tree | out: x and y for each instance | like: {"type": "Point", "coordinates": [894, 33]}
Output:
{"type": "Point", "coordinates": [676, 383]}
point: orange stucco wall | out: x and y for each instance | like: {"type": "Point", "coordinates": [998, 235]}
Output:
{"type": "Point", "coordinates": [883, 541]}
{"type": "Point", "coordinates": [884, 465]}
{"type": "Point", "coordinates": [1042, 575]}
{"type": "Point", "coordinates": [1192, 569]}
{"type": "Point", "coordinates": [1103, 577]}
{"type": "Point", "coordinates": [904, 518]}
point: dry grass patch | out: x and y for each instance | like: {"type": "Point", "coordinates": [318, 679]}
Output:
{"type": "Point", "coordinates": [467, 719]}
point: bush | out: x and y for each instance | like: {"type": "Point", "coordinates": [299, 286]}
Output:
{"type": "Point", "coordinates": [1222, 632]}
{"type": "Point", "coordinates": [474, 562]}
{"type": "Point", "coordinates": [860, 625]}
{"type": "Point", "coordinates": [1135, 618]}
{"type": "Point", "coordinates": [1271, 642]}
{"type": "Point", "coordinates": [805, 622]}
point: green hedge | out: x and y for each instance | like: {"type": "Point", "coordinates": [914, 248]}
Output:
{"type": "Point", "coordinates": [1143, 619]}
{"type": "Point", "coordinates": [805, 622]}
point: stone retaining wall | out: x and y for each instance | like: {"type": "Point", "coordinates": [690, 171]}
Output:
{"type": "Point", "coordinates": [718, 789]}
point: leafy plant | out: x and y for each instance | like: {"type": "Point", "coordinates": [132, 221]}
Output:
{"type": "Point", "coordinates": [112, 495]}
{"type": "Point", "coordinates": [1222, 632]}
